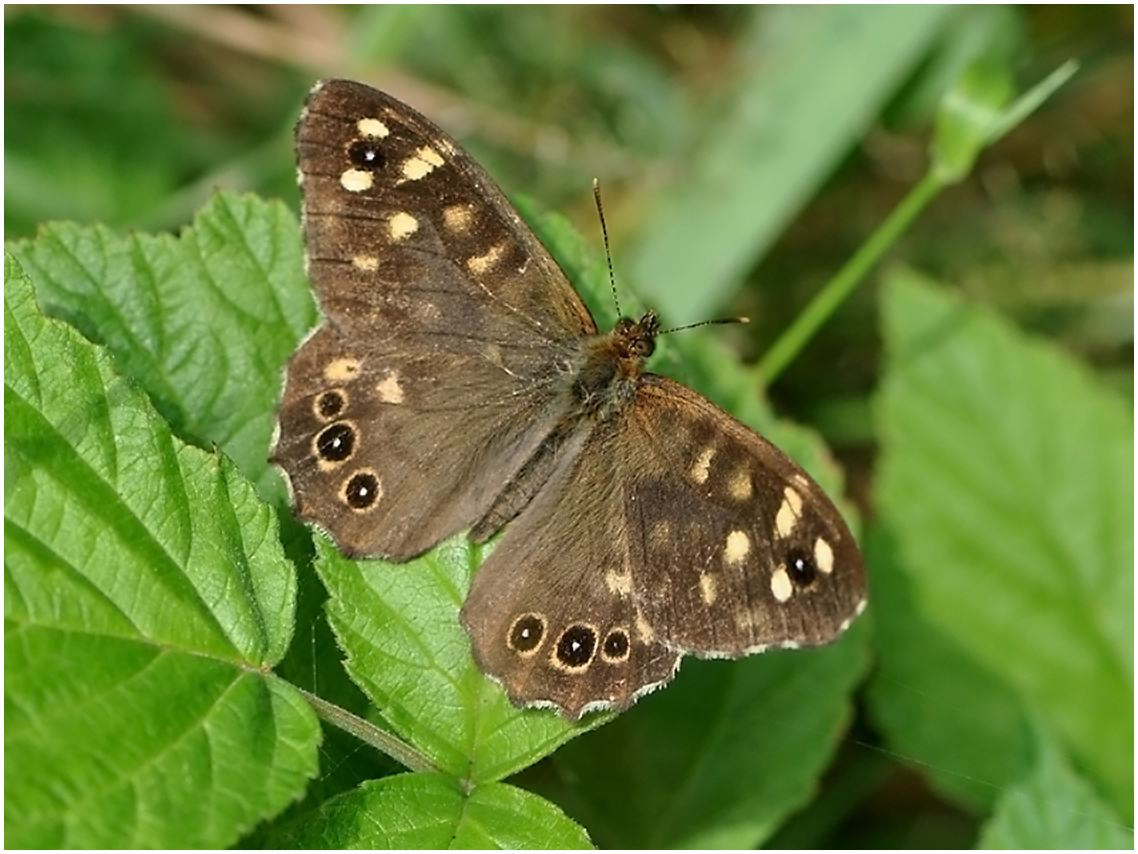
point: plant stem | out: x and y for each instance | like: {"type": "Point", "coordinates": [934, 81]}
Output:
{"type": "Point", "coordinates": [827, 301]}
{"type": "Point", "coordinates": [369, 733]}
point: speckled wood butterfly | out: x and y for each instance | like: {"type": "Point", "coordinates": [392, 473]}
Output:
{"type": "Point", "coordinates": [459, 382]}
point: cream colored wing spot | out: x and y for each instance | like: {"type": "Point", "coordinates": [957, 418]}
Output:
{"type": "Point", "coordinates": [341, 370]}
{"type": "Point", "coordinates": [372, 127]}
{"type": "Point", "coordinates": [701, 468]}
{"type": "Point", "coordinates": [481, 263]}
{"type": "Point", "coordinates": [402, 225]}
{"type": "Point", "coordinates": [739, 486]}
{"type": "Point", "coordinates": [356, 180]}
{"type": "Point", "coordinates": [737, 547]}
{"type": "Point", "coordinates": [458, 218]}
{"type": "Point", "coordinates": [823, 556]}
{"type": "Point", "coordinates": [389, 389]}
{"type": "Point", "coordinates": [788, 513]}
{"type": "Point", "coordinates": [367, 263]}
{"type": "Point", "coordinates": [619, 583]}
{"type": "Point", "coordinates": [744, 620]}
{"type": "Point", "coordinates": [421, 164]}
{"type": "Point", "coordinates": [780, 585]}
{"type": "Point", "coordinates": [707, 589]}
{"type": "Point", "coordinates": [644, 631]}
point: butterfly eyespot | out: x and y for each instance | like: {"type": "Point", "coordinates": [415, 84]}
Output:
{"type": "Point", "coordinates": [362, 490]}
{"type": "Point", "coordinates": [367, 154]}
{"type": "Point", "coordinates": [801, 568]}
{"type": "Point", "coordinates": [330, 404]}
{"type": "Point", "coordinates": [616, 647]}
{"type": "Point", "coordinates": [526, 634]}
{"type": "Point", "coordinates": [575, 647]}
{"type": "Point", "coordinates": [336, 442]}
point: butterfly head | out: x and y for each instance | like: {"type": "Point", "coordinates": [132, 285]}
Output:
{"type": "Point", "coordinates": [605, 380]}
{"type": "Point", "coordinates": [636, 339]}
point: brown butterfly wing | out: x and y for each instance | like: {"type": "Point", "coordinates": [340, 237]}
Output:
{"type": "Point", "coordinates": [746, 550]}
{"type": "Point", "coordinates": [672, 524]}
{"type": "Point", "coordinates": [552, 614]}
{"type": "Point", "coordinates": [399, 218]}
{"type": "Point", "coordinates": [438, 370]}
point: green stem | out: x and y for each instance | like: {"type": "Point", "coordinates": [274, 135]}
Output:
{"type": "Point", "coordinates": [807, 324]}
{"type": "Point", "coordinates": [369, 733]}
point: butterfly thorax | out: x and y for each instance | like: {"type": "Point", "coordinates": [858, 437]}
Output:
{"type": "Point", "coordinates": [606, 379]}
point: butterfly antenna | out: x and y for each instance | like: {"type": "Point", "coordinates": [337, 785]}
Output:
{"type": "Point", "coordinates": [605, 233]}
{"type": "Point", "coordinates": [704, 323]}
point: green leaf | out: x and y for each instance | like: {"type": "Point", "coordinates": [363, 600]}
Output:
{"type": "Point", "coordinates": [1006, 490]}
{"type": "Point", "coordinates": [721, 757]}
{"type": "Point", "coordinates": [935, 701]}
{"type": "Point", "coordinates": [1053, 807]}
{"type": "Point", "coordinates": [399, 625]}
{"type": "Point", "coordinates": [806, 101]}
{"type": "Point", "coordinates": [203, 321]}
{"type": "Point", "coordinates": [430, 811]}
{"type": "Point", "coordinates": [146, 596]}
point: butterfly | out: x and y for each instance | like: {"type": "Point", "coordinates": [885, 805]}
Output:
{"type": "Point", "coordinates": [459, 382]}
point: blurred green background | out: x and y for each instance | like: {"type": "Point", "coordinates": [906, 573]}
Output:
{"type": "Point", "coordinates": [134, 116]}
{"type": "Point", "coordinates": [737, 176]}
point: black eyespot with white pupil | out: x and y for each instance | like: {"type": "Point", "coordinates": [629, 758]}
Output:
{"type": "Point", "coordinates": [366, 154]}
{"type": "Point", "coordinates": [362, 490]}
{"type": "Point", "coordinates": [616, 646]}
{"type": "Point", "coordinates": [336, 442]}
{"type": "Point", "coordinates": [801, 567]}
{"type": "Point", "coordinates": [330, 404]}
{"type": "Point", "coordinates": [576, 646]}
{"type": "Point", "coordinates": [526, 633]}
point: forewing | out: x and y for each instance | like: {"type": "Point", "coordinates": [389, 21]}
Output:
{"type": "Point", "coordinates": [438, 370]}
{"type": "Point", "coordinates": [408, 236]}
